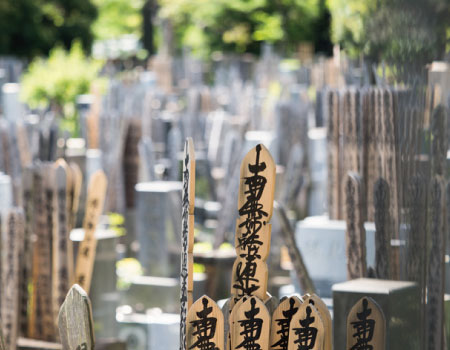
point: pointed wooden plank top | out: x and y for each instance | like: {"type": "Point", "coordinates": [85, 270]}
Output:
{"type": "Point", "coordinates": [313, 299]}
{"type": "Point", "coordinates": [281, 321]}
{"type": "Point", "coordinates": [366, 325]}
{"type": "Point", "coordinates": [205, 324]}
{"type": "Point", "coordinates": [75, 321]}
{"type": "Point", "coordinates": [307, 329]}
{"type": "Point", "coordinates": [251, 329]}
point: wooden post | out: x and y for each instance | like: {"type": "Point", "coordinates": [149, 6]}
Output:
{"type": "Point", "coordinates": [281, 321]}
{"type": "Point", "coordinates": [366, 326]}
{"type": "Point", "coordinates": [334, 182]}
{"type": "Point", "coordinates": [321, 307]}
{"type": "Point", "coordinates": [356, 234]}
{"type": "Point", "coordinates": [382, 233]}
{"type": "Point", "coordinates": [73, 204]}
{"type": "Point", "coordinates": [301, 271]}
{"type": "Point", "coordinates": [10, 276]}
{"type": "Point", "coordinates": [306, 329]}
{"type": "Point", "coordinates": [252, 327]}
{"type": "Point", "coordinates": [75, 321]}
{"type": "Point", "coordinates": [436, 266]}
{"type": "Point", "coordinates": [86, 251]}
{"type": "Point", "coordinates": [252, 243]}
{"type": "Point", "coordinates": [187, 237]}
{"type": "Point", "coordinates": [205, 325]}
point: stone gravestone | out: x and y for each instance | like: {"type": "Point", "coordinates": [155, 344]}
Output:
{"type": "Point", "coordinates": [147, 157]}
{"type": "Point", "coordinates": [75, 321]}
{"type": "Point", "coordinates": [158, 226]}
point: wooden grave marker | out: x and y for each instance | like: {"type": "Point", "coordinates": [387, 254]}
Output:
{"type": "Point", "coordinates": [86, 251]}
{"type": "Point", "coordinates": [61, 257]}
{"type": "Point", "coordinates": [74, 193]}
{"type": "Point", "coordinates": [306, 329]}
{"type": "Point", "coordinates": [75, 321]}
{"type": "Point", "coordinates": [382, 226]}
{"type": "Point", "coordinates": [333, 127]}
{"type": "Point", "coordinates": [232, 320]}
{"type": "Point", "coordinates": [253, 230]}
{"type": "Point", "coordinates": [321, 307]}
{"type": "Point", "coordinates": [26, 254]}
{"type": "Point", "coordinates": [281, 321]}
{"type": "Point", "coordinates": [15, 226]}
{"type": "Point", "coordinates": [366, 326]}
{"type": "Point", "coordinates": [187, 237]}
{"type": "Point", "coordinates": [205, 325]}
{"type": "Point", "coordinates": [251, 330]}
{"type": "Point", "coordinates": [42, 324]}
{"type": "Point", "coordinates": [436, 267]}
{"type": "Point", "coordinates": [355, 233]}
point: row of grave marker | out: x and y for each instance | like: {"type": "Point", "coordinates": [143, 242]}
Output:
{"type": "Point", "coordinates": [37, 250]}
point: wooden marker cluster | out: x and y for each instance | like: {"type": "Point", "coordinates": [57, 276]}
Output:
{"type": "Point", "coordinates": [49, 201]}
{"type": "Point", "coordinates": [187, 243]}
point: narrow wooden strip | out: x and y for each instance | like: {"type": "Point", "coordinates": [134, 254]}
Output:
{"type": "Point", "coordinates": [86, 251]}
{"type": "Point", "coordinates": [355, 234]}
{"type": "Point", "coordinates": [75, 321]}
{"type": "Point", "coordinates": [321, 307]}
{"type": "Point", "coordinates": [366, 326]}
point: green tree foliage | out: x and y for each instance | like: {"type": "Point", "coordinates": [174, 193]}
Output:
{"type": "Point", "coordinates": [56, 82]}
{"type": "Point", "coordinates": [398, 31]}
{"type": "Point", "coordinates": [117, 18]}
{"type": "Point", "coordinates": [242, 25]}
{"type": "Point", "coordinates": [30, 28]}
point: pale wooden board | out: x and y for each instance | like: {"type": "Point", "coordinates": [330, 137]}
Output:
{"type": "Point", "coordinates": [187, 237]}
{"type": "Point", "coordinates": [306, 329]}
{"type": "Point", "coordinates": [205, 325]}
{"type": "Point", "coordinates": [15, 226]}
{"type": "Point", "coordinates": [333, 155]}
{"type": "Point", "coordinates": [436, 266]}
{"type": "Point", "coordinates": [355, 232]}
{"type": "Point", "coordinates": [366, 314]}
{"type": "Point", "coordinates": [74, 201]}
{"type": "Point", "coordinates": [325, 315]}
{"type": "Point", "coordinates": [255, 207]}
{"type": "Point", "coordinates": [75, 321]}
{"type": "Point", "coordinates": [232, 320]}
{"type": "Point", "coordinates": [86, 251]}
{"type": "Point", "coordinates": [381, 196]}
{"type": "Point", "coordinates": [60, 280]}
{"type": "Point", "coordinates": [251, 329]}
{"type": "Point", "coordinates": [281, 320]}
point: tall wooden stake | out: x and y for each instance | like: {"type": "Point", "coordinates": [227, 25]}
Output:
{"type": "Point", "coordinates": [382, 233]}
{"type": "Point", "coordinates": [187, 237]}
{"type": "Point", "coordinates": [86, 251]}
